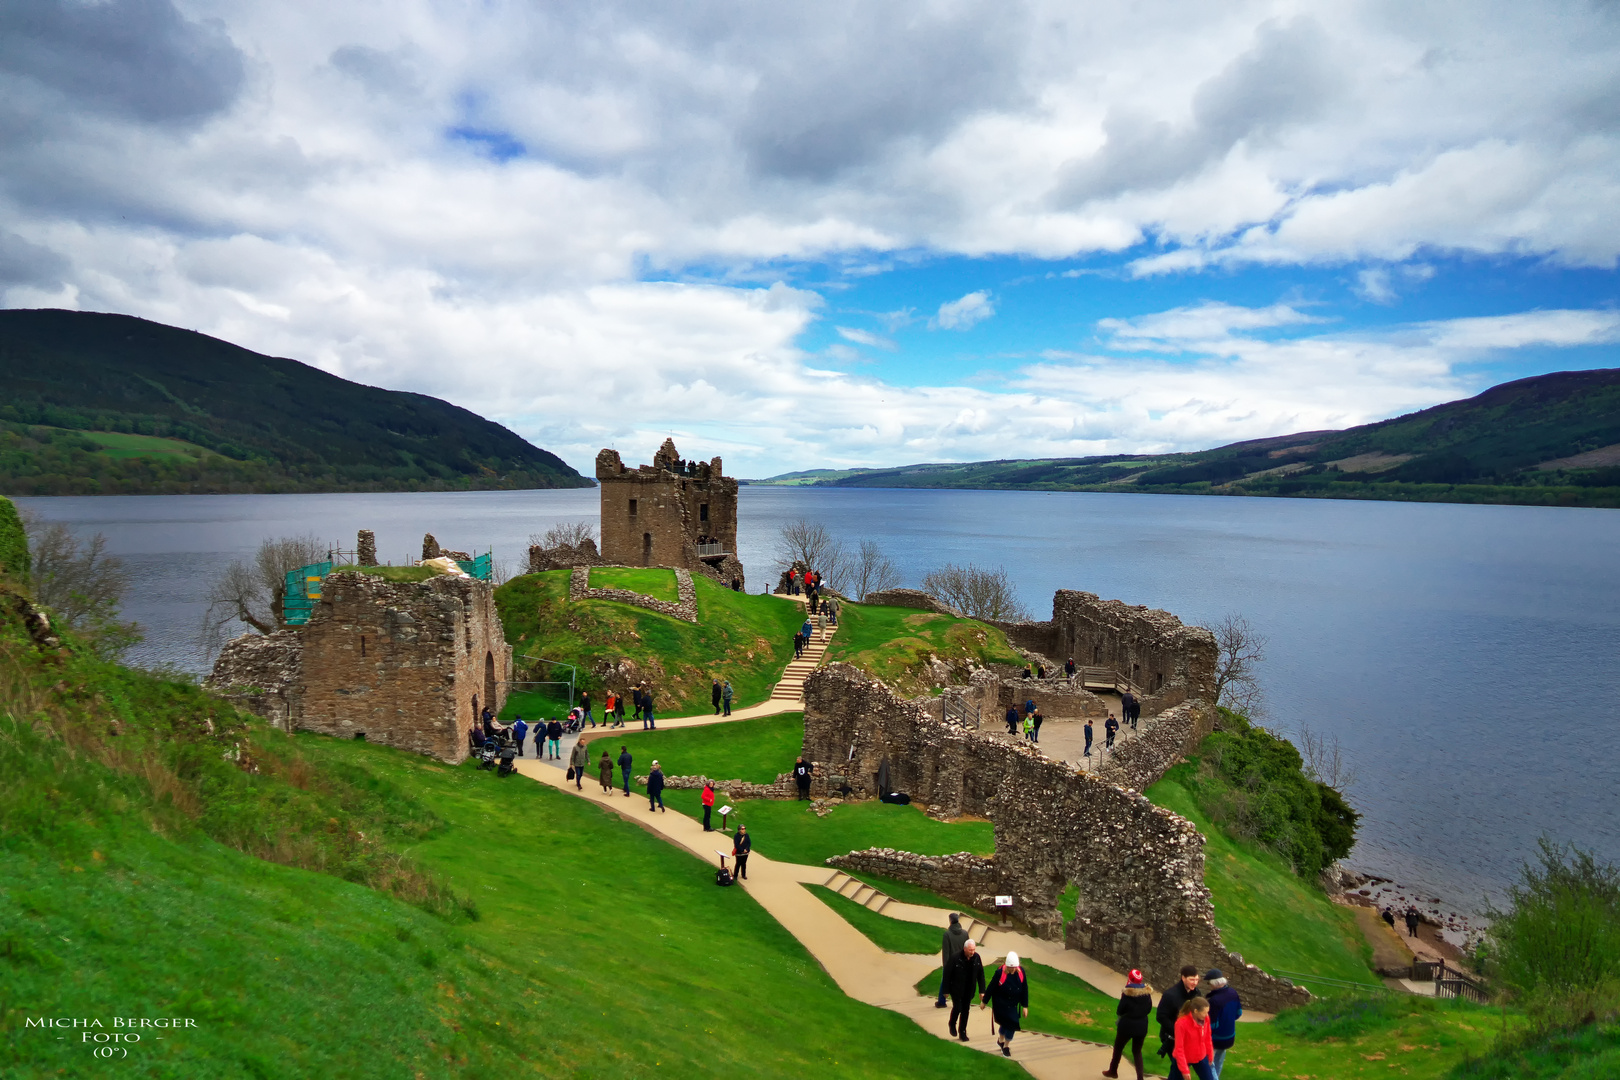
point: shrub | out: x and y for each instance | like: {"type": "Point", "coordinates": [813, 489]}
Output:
{"type": "Point", "coordinates": [13, 541]}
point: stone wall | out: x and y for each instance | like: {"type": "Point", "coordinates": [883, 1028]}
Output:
{"type": "Point", "coordinates": [734, 790]}
{"type": "Point", "coordinates": [579, 588]}
{"type": "Point", "coordinates": [264, 674]}
{"type": "Point", "coordinates": [1160, 742]}
{"type": "Point", "coordinates": [1057, 699]}
{"type": "Point", "coordinates": [654, 515]}
{"type": "Point", "coordinates": [563, 556]}
{"type": "Point", "coordinates": [1139, 868]}
{"type": "Point", "coordinates": [968, 877]}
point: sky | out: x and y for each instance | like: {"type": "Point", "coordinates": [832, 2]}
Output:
{"type": "Point", "coordinates": [837, 234]}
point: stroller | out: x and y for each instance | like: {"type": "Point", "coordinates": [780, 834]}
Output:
{"type": "Point", "coordinates": [722, 876]}
{"type": "Point", "coordinates": [575, 722]}
{"type": "Point", "coordinates": [508, 759]}
{"type": "Point", "coordinates": [487, 754]}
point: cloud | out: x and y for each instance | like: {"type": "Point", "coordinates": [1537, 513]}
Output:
{"type": "Point", "coordinates": [964, 313]}
{"type": "Point", "coordinates": [1373, 284]}
{"type": "Point", "coordinates": [863, 337]}
{"type": "Point", "coordinates": [1206, 325]}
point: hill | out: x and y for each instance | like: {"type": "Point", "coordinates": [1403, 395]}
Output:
{"type": "Point", "coordinates": [111, 404]}
{"type": "Point", "coordinates": [1552, 439]}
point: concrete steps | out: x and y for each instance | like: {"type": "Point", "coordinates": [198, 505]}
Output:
{"type": "Point", "coordinates": [791, 686]}
{"type": "Point", "coordinates": [876, 900]}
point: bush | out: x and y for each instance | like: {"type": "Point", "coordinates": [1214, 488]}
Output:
{"type": "Point", "coordinates": [13, 541]}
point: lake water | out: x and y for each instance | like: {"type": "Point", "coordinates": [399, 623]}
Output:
{"type": "Point", "coordinates": [1468, 657]}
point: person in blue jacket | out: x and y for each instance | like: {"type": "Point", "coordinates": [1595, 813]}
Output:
{"type": "Point", "coordinates": [1224, 1010]}
{"type": "Point", "coordinates": [520, 730]}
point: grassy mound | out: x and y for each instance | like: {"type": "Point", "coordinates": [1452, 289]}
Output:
{"type": "Point", "coordinates": [1265, 911]}
{"type": "Point", "coordinates": [746, 639]}
{"type": "Point", "coordinates": [895, 644]}
{"type": "Point", "coordinates": [1587, 1053]}
{"type": "Point", "coordinates": [656, 582]}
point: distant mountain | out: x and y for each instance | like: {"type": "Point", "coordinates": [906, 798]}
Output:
{"type": "Point", "coordinates": [111, 404]}
{"type": "Point", "coordinates": [1552, 439]}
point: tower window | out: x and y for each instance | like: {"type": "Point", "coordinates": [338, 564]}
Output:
{"type": "Point", "coordinates": [632, 508]}
{"type": "Point", "coordinates": [703, 511]}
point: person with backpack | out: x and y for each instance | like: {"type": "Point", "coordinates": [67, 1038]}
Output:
{"type": "Point", "coordinates": [655, 789]}
{"type": "Point", "coordinates": [708, 805]}
{"type": "Point", "coordinates": [964, 978]}
{"type": "Point", "coordinates": [725, 698]}
{"type": "Point", "coordinates": [579, 759]}
{"type": "Point", "coordinates": [1170, 1010]}
{"type": "Point", "coordinates": [740, 847]}
{"type": "Point", "coordinates": [1195, 1049]}
{"type": "Point", "coordinates": [521, 731]}
{"type": "Point", "coordinates": [1134, 1008]}
{"type": "Point", "coordinates": [950, 947]}
{"type": "Point", "coordinates": [1008, 995]}
{"type": "Point", "coordinates": [625, 761]}
{"type": "Point", "coordinates": [1224, 1009]}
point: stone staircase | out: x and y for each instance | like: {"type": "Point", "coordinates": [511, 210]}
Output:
{"type": "Point", "coordinates": [876, 900]}
{"type": "Point", "coordinates": [791, 688]}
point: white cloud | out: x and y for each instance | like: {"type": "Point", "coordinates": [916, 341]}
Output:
{"type": "Point", "coordinates": [964, 313]}
{"type": "Point", "coordinates": [1205, 326]}
{"type": "Point", "coordinates": [865, 337]}
{"type": "Point", "coordinates": [1373, 284]}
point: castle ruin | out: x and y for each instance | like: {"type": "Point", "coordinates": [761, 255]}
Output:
{"type": "Point", "coordinates": [674, 513]}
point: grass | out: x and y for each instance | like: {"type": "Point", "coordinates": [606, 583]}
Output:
{"type": "Point", "coordinates": [1587, 1053]}
{"type": "Point", "coordinates": [751, 750]}
{"type": "Point", "coordinates": [1266, 912]}
{"type": "Point", "coordinates": [397, 573]}
{"type": "Point", "coordinates": [117, 444]}
{"type": "Point", "coordinates": [890, 935]}
{"type": "Point", "coordinates": [1059, 1003]}
{"type": "Point", "coordinates": [746, 639]}
{"type": "Point", "coordinates": [895, 644]}
{"type": "Point", "coordinates": [653, 581]}
{"type": "Point", "coordinates": [907, 893]}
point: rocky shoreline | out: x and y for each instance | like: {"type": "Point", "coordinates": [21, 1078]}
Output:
{"type": "Point", "coordinates": [1444, 929]}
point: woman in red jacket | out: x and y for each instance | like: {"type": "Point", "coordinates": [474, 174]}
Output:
{"type": "Point", "coordinates": [1195, 1046]}
{"type": "Point", "coordinates": [708, 804]}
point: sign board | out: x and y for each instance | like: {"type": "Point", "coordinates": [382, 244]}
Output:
{"type": "Point", "coordinates": [724, 810]}
{"type": "Point", "coordinates": [1004, 901]}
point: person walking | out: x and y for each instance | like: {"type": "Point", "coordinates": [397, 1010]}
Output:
{"type": "Point", "coordinates": [740, 847]}
{"type": "Point", "coordinates": [1224, 1009]}
{"type": "Point", "coordinates": [585, 706]}
{"type": "Point", "coordinates": [801, 776]}
{"type": "Point", "coordinates": [708, 805]}
{"type": "Point", "coordinates": [1039, 720]}
{"type": "Point", "coordinates": [808, 631]}
{"type": "Point", "coordinates": [1412, 921]}
{"type": "Point", "coordinates": [1012, 719]}
{"type": "Point", "coordinates": [714, 696]}
{"type": "Point", "coordinates": [1134, 1008]}
{"type": "Point", "coordinates": [1008, 995]}
{"type": "Point", "coordinates": [950, 947]}
{"type": "Point", "coordinates": [1029, 727]}
{"type": "Point", "coordinates": [554, 734]}
{"type": "Point", "coordinates": [1068, 667]}
{"type": "Point", "coordinates": [1170, 1011]}
{"type": "Point", "coordinates": [625, 761]}
{"type": "Point", "coordinates": [1389, 917]}
{"type": "Point", "coordinates": [579, 759]}
{"type": "Point", "coordinates": [655, 789]}
{"type": "Point", "coordinates": [1131, 708]}
{"type": "Point", "coordinates": [725, 698]}
{"type": "Point", "coordinates": [648, 721]}
{"type": "Point", "coordinates": [964, 978]}
{"type": "Point", "coordinates": [520, 731]}
{"type": "Point", "coordinates": [1195, 1049]}
{"type": "Point", "coordinates": [798, 645]}
{"type": "Point", "coordinates": [1110, 729]}
{"type": "Point", "coordinates": [1088, 736]}
{"type": "Point", "coordinates": [604, 769]}
{"type": "Point", "coordinates": [618, 710]}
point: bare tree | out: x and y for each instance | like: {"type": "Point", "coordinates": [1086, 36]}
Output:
{"type": "Point", "coordinates": [977, 591]}
{"type": "Point", "coordinates": [1239, 650]}
{"type": "Point", "coordinates": [80, 584]}
{"type": "Point", "coordinates": [872, 571]}
{"type": "Point", "coordinates": [565, 534]}
{"type": "Point", "coordinates": [1325, 760]}
{"type": "Point", "coordinates": [812, 545]}
{"type": "Point", "coordinates": [250, 593]}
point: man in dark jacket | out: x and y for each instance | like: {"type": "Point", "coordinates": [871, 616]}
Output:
{"type": "Point", "coordinates": [520, 731]}
{"type": "Point", "coordinates": [554, 734]}
{"type": "Point", "coordinates": [1135, 1006]}
{"type": "Point", "coordinates": [1224, 1010]}
{"type": "Point", "coordinates": [655, 789]}
{"type": "Point", "coordinates": [1411, 922]}
{"type": "Point", "coordinates": [1170, 1008]}
{"type": "Point", "coordinates": [801, 777]}
{"type": "Point", "coordinates": [714, 696]}
{"type": "Point", "coordinates": [1110, 729]}
{"type": "Point", "coordinates": [624, 768]}
{"type": "Point", "coordinates": [1012, 719]}
{"type": "Point", "coordinates": [949, 946]}
{"type": "Point", "coordinates": [1131, 708]}
{"type": "Point", "coordinates": [648, 721]}
{"type": "Point", "coordinates": [964, 978]}
{"type": "Point", "coordinates": [741, 845]}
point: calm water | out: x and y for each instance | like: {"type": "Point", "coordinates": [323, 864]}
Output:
{"type": "Point", "coordinates": [1468, 657]}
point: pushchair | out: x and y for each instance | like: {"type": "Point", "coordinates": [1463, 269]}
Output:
{"type": "Point", "coordinates": [487, 754]}
{"type": "Point", "coordinates": [575, 722]}
{"type": "Point", "coordinates": [508, 759]}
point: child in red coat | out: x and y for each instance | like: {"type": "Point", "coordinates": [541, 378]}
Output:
{"type": "Point", "coordinates": [1195, 1046]}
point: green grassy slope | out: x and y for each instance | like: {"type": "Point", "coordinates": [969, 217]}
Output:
{"type": "Point", "coordinates": [655, 582]}
{"type": "Point", "coordinates": [1483, 449]}
{"type": "Point", "coordinates": [95, 403]}
{"type": "Point", "coordinates": [890, 935]}
{"type": "Point", "coordinates": [895, 644]}
{"type": "Point", "coordinates": [1059, 1003]}
{"type": "Point", "coordinates": [747, 639]}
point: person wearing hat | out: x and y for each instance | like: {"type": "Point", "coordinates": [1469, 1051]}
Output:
{"type": "Point", "coordinates": [1170, 1009]}
{"type": "Point", "coordinates": [1008, 995]}
{"type": "Point", "coordinates": [1135, 1006]}
{"type": "Point", "coordinates": [950, 947]}
{"type": "Point", "coordinates": [655, 789]}
{"type": "Point", "coordinates": [740, 847]}
{"type": "Point", "coordinates": [1224, 1010]}
{"type": "Point", "coordinates": [964, 975]}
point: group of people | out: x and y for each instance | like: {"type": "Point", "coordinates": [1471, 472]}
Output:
{"type": "Point", "coordinates": [1005, 991]}
{"type": "Point", "coordinates": [720, 694]}
{"type": "Point", "coordinates": [1029, 721]}
{"type": "Point", "coordinates": [807, 633]}
{"type": "Point", "coordinates": [511, 737]}
{"type": "Point", "coordinates": [1412, 920]}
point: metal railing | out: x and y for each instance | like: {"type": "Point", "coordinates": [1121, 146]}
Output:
{"type": "Point", "coordinates": [958, 708]}
{"type": "Point", "coordinates": [708, 550]}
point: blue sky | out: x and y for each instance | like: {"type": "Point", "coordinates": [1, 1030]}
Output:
{"type": "Point", "coordinates": [847, 233]}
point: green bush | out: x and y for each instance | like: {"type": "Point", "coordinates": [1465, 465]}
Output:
{"type": "Point", "coordinates": [13, 541]}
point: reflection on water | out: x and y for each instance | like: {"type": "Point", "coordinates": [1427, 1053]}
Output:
{"type": "Point", "coordinates": [1466, 656]}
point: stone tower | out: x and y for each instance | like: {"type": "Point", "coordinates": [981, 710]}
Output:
{"type": "Point", "coordinates": [674, 513]}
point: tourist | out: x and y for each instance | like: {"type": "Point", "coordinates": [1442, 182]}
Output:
{"type": "Point", "coordinates": [1110, 729]}
{"type": "Point", "coordinates": [608, 702]}
{"type": "Point", "coordinates": [580, 759]}
{"type": "Point", "coordinates": [1135, 1005]}
{"type": "Point", "coordinates": [1412, 920]}
{"type": "Point", "coordinates": [1389, 917]}
{"type": "Point", "coordinates": [604, 769]}
{"type": "Point", "coordinates": [554, 734]}
{"type": "Point", "coordinates": [1088, 736]}
{"type": "Point", "coordinates": [1224, 1009]}
{"type": "Point", "coordinates": [475, 736]}
{"type": "Point", "coordinates": [521, 731]}
{"type": "Point", "coordinates": [648, 721]}
{"type": "Point", "coordinates": [964, 975]}
{"type": "Point", "coordinates": [1029, 707]}
{"type": "Point", "coordinates": [1040, 670]}
{"type": "Point", "coordinates": [1068, 669]}
{"type": "Point", "coordinates": [1194, 1053]}
{"type": "Point", "coordinates": [1012, 719]}
{"type": "Point", "coordinates": [585, 706]}
{"type": "Point", "coordinates": [655, 789]}
{"type": "Point", "coordinates": [636, 690]}
{"type": "Point", "coordinates": [1131, 707]}
{"type": "Point", "coordinates": [1039, 720]}
{"type": "Point", "coordinates": [624, 767]}
{"type": "Point", "coordinates": [618, 710]}
{"type": "Point", "coordinates": [950, 947]}
{"type": "Point", "coordinates": [808, 631]}
{"type": "Point", "coordinates": [801, 777]}
{"type": "Point", "coordinates": [1170, 1009]}
{"type": "Point", "coordinates": [740, 847]}
{"type": "Point", "coordinates": [725, 698]}
{"type": "Point", "coordinates": [1008, 994]}
{"type": "Point", "coordinates": [1028, 671]}
{"type": "Point", "coordinates": [1029, 727]}
{"type": "Point", "coordinates": [714, 696]}
{"type": "Point", "coordinates": [798, 646]}
{"type": "Point", "coordinates": [708, 805]}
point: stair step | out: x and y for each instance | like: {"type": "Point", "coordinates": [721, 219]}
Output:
{"type": "Point", "coordinates": [883, 901]}
{"type": "Point", "coordinates": [836, 881]}
{"type": "Point", "coordinates": [849, 887]}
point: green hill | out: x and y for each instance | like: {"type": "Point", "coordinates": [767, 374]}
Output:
{"type": "Point", "coordinates": [111, 404]}
{"type": "Point", "coordinates": [1552, 440]}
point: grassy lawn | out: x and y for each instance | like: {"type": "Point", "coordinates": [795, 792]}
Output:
{"type": "Point", "coordinates": [890, 935]}
{"type": "Point", "coordinates": [746, 639]}
{"type": "Point", "coordinates": [654, 581]}
{"type": "Point", "coordinates": [907, 893]}
{"type": "Point", "coordinates": [1266, 912]}
{"type": "Point", "coordinates": [119, 444]}
{"type": "Point", "coordinates": [1059, 1003]}
{"type": "Point", "coordinates": [752, 750]}
{"type": "Point", "coordinates": [895, 643]}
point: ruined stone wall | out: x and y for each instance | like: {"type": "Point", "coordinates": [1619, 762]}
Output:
{"type": "Point", "coordinates": [1057, 699]}
{"type": "Point", "coordinates": [1160, 742]}
{"type": "Point", "coordinates": [579, 588]}
{"type": "Point", "coordinates": [406, 664]}
{"type": "Point", "coordinates": [264, 674]}
{"type": "Point", "coordinates": [563, 556]}
{"type": "Point", "coordinates": [1139, 868]}
{"type": "Point", "coordinates": [653, 515]}
{"type": "Point", "coordinates": [966, 876]}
